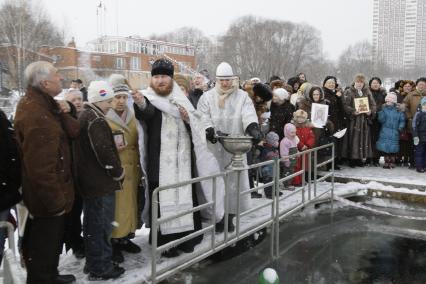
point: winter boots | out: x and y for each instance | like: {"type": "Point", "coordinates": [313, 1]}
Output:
{"type": "Point", "coordinates": [389, 162]}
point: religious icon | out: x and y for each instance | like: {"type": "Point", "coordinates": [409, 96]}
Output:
{"type": "Point", "coordinates": [319, 114]}
{"type": "Point", "coordinates": [361, 105]}
{"type": "Point", "coordinates": [119, 139]}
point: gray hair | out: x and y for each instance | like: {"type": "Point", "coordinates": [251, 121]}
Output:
{"type": "Point", "coordinates": [37, 72]}
{"type": "Point", "coordinates": [72, 91]}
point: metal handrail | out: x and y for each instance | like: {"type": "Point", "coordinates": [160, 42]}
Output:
{"type": "Point", "coordinates": [231, 238]}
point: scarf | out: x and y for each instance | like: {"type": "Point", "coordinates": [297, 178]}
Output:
{"type": "Point", "coordinates": [224, 94]}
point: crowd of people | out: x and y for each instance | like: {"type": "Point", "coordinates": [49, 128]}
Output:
{"type": "Point", "coordinates": [100, 153]}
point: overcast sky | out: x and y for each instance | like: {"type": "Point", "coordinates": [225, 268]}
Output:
{"type": "Point", "coordinates": [340, 22]}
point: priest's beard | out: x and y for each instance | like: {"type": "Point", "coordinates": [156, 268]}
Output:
{"type": "Point", "coordinates": [162, 90]}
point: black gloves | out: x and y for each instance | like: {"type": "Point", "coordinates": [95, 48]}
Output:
{"type": "Point", "coordinates": [254, 131]}
{"type": "Point", "coordinates": [210, 135]}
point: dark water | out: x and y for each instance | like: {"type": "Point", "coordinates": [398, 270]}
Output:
{"type": "Point", "coordinates": [349, 246]}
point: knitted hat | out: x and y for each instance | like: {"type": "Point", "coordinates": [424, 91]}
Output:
{"type": "Point", "coordinates": [391, 97]}
{"type": "Point", "coordinates": [117, 79]}
{"type": "Point", "coordinates": [121, 89]}
{"type": "Point", "coordinates": [162, 67]}
{"type": "Point", "coordinates": [423, 101]}
{"type": "Point", "coordinates": [99, 91]}
{"type": "Point", "coordinates": [281, 93]}
{"type": "Point", "coordinates": [272, 138]}
{"type": "Point", "coordinates": [263, 91]}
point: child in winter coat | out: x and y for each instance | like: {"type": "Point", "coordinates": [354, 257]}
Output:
{"type": "Point", "coordinates": [288, 146]}
{"type": "Point", "coordinates": [392, 123]}
{"type": "Point", "coordinates": [269, 151]}
{"type": "Point", "coordinates": [307, 141]}
{"type": "Point", "coordinates": [419, 137]}
{"type": "Point", "coordinates": [281, 111]}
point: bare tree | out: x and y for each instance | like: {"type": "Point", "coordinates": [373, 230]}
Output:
{"type": "Point", "coordinates": [357, 58]}
{"type": "Point", "coordinates": [204, 48]}
{"type": "Point", "coordinates": [262, 48]}
{"type": "Point", "coordinates": [26, 27]}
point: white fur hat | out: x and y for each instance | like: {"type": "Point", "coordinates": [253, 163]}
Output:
{"type": "Point", "coordinates": [281, 93]}
{"type": "Point", "coordinates": [99, 91]}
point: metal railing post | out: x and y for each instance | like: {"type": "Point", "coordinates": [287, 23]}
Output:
{"type": "Point", "coordinates": [303, 177]}
{"type": "Point", "coordinates": [315, 172]}
{"type": "Point", "coordinates": [333, 150]}
{"type": "Point", "coordinates": [274, 213]}
{"type": "Point", "coordinates": [309, 174]}
{"type": "Point", "coordinates": [237, 227]}
{"type": "Point", "coordinates": [154, 235]}
{"type": "Point", "coordinates": [214, 213]}
{"type": "Point", "coordinates": [226, 214]}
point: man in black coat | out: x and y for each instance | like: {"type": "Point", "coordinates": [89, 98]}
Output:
{"type": "Point", "coordinates": [10, 174]}
{"type": "Point", "coordinates": [198, 90]}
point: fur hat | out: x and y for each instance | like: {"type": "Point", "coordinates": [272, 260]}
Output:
{"type": "Point", "coordinates": [421, 79]}
{"type": "Point", "coordinates": [277, 84]}
{"type": "Point", "coordinates": [281, 93]}
{"type": "Point", "coordinates": [162, 67]}
{"type": "Point", "coordinates": [374, 78]}
{"type": "Point", "coordinates": [300, 113]}
{"type": "Point", "coordinates": [359, 77]}
{"type": "Point", "coordinates": [274, 78]}
{"type": "Point", "coordinates": [328, 78]}
{"type": "Point", "coordinates": [272, 138]}
{"type": "Point", "coordinates": [292, 81]}
{"type": "Point", "coordinates": [402, 83]}
{"type": "Point", "coordinates": [99, 91]}
{"type": "Point", "coordinates": [391, 97]}
{"type": "Point", "coordinates": [262, 91]}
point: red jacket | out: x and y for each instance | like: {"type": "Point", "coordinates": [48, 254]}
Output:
{"type": "Point", "coordinates": [307, 138]}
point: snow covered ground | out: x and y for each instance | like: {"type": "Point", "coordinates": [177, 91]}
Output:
{"type": "Point", "coordinates": [398, 177]}
{"type": "Point", "coordinates": [138, 266]}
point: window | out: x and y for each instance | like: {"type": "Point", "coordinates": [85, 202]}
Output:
{"type": "Point", "coordinates": [135, 63]}
{"type": "Point", "coordinates": [119, 63]}
{"type": "Point", "coordinates": [96, 58]}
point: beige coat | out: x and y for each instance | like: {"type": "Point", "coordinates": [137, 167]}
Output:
{"type": "Point", "coordinates": [126, 200]}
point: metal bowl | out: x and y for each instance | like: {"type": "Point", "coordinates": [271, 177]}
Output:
{"type": "Point", "coordinates": [237, 145]}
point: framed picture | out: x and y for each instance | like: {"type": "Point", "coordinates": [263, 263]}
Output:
{"type": "Point", "coordinates": [319, 115]}
{"type": "Point", "coordinates": [119, 139]}
{"type": "Point", "coordinates": [361, 105]}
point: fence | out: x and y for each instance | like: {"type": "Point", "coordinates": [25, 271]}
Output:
{"type": "Point", "coordinates": [270, 217]}
{"type": "Point", "coordinates": [279, 209]}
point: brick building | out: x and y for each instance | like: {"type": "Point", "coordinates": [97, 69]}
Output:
{"type": "Point", "coordinates": [130, 56]}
